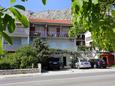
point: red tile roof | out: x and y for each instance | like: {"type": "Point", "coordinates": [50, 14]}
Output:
{"type": "Point", "coordinates": [50, 21]}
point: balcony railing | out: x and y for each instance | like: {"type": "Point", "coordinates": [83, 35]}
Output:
{"type": "Point", "coordinates": [48, 34]}
{"type": "Point", "coordinates": [20, 32]}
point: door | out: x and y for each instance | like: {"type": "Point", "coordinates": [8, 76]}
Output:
{"type": "Point", "coordinates": [32, 31]}
{"type": "Point", "coordinates": [64, 61]}
{"type": "Point", "coordinates": [47, 31]}
{"type": "Point", "coordinates": [58, 32]}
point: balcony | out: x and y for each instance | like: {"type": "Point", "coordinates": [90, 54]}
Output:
{"type": "Point", "coordinates": [49, 34]}
{"type": "Point", "coordinates": [20, 32]}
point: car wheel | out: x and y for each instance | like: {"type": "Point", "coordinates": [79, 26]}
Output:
{"type": "Point", "coordinates": [104, 67]}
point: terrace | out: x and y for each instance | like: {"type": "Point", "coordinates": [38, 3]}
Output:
{"type": "Point", "coordinates": [48, 34]}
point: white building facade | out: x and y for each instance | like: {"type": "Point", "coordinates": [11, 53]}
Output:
{"type": "Point", "coordinates": [88, 39]}
{"type": "Point", "coordinates": [55, 32]}
{"type": "Point", "coordinates": [20, 37]}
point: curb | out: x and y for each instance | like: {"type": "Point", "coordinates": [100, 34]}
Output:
{"type": "Point", "coordinates": [71, 71]}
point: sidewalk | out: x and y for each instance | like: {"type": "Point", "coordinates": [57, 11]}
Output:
{"type": "Point", "coordinates": [74, 71]}
{"type": "Point", "coordinates": [61, 72]}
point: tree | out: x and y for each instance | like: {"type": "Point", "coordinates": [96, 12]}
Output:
{"type": "Point", "coordinates": [41, 50]}
{"type": "Point", "coordinates": [7, 21]}
{"type": "Point", "coordinates": [8, 18]}
{"type": "Point", "coordinates": [25, 57]}
{"type": "Point", "coordinates": [98, 17]}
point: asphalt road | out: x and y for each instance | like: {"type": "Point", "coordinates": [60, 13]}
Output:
{"type": "Point", "coordinates": [84, 79]}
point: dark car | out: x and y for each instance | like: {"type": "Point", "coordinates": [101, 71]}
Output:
{"type": "Point", "coordinates": [92, 62]}
{"type": "Point", "coordinates": [98, 63]}
{"type": "Point", "coordinates": [54, 63]}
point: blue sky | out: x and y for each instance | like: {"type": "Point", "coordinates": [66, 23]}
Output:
{"type": "Point", "coordinates": [36, 5]}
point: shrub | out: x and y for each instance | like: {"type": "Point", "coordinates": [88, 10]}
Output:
{"type": "Point", "coordinates": [21, 59]}
{"type": "Point", "coordinates": [25, 56]}
{"type": "Point", "coordinates": [41, 50]}
{"type": "Point", "coordinates": [9, 62]}
{"type": "Point", "coordinates": [26, 51]}
{"type": "Point", "coordinates": [26, 62]}
{"type": "Point", "coordinates": [5, 64]}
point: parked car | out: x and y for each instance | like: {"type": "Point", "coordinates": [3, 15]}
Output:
{"type": "Point", "coordinates": [98, 63]}
{"type": "Point", "coordinates": [82, 63]}
{"type": "Point", "coordinates": [92, 62]}
{"type": "Point", "coordinates": [54, 63]}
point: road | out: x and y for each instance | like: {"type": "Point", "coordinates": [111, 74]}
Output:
{"type": "Point", "coordinates": [83, 79]}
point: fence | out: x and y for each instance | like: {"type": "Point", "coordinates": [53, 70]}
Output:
{"type": "Point", "coordinates": [21, 71]}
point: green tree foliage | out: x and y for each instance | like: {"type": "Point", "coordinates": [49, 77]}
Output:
{"type": "Point", "coordinates": [8, 18]}
{"type": "Point", "coordinates": [41, 50]}
{"type": "Point", "coordinates": [26, 51]}
{"type": "Point", "coordinates": [7, 21]}
{"type": "Point", "coordinates": [98, 17]}
{"type": "Point", "coordinates": [1, 49]}
{"type": "Point", "coordinates": [25, 56]}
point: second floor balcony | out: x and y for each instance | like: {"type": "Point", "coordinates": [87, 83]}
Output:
{"type": "Point", "coordinates": [20, 32]}
{"type": "Point", "coordinates": [48, 34]}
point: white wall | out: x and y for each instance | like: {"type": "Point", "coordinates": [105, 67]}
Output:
{"type": "Point", "coordinates": [20, 32]}
{"type": "Point", "coordinates": [17, 43]}
{"type": "Point", "coordinates": [88, 38]}
{"type": "Point", "coordinates": [39, 28]}
{"type": "Point", "coordinates": [52, 28]}
{"type": "Point", "coordinates": [24, 41]}
{"type": "Point", "coordinates": [62, 44]}
{"type": "Point", "coordinates": [64, 29]}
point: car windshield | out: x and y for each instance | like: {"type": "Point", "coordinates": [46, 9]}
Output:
{"type": "Point", "coordinates": [83, 60]}
{"type": "Point", "coordinates": [54, 59]}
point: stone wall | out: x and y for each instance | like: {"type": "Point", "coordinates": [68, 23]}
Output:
{"type": "Point", "coordinates": [19, 71]}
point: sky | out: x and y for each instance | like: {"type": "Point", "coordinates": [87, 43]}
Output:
{"type": "Point", "coordinates": [36, 5]}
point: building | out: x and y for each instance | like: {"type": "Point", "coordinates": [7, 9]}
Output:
{"type": "Point", "coordinates": [20, 37]}
{"type": "Point", "coordinates": [88, 39]}
{"type": "Point", "coordinates": [55, 32]}
{"type": "Point", "coordinates": [84, 39]}
{"type": "Point", "coordinates": [50, 25]}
